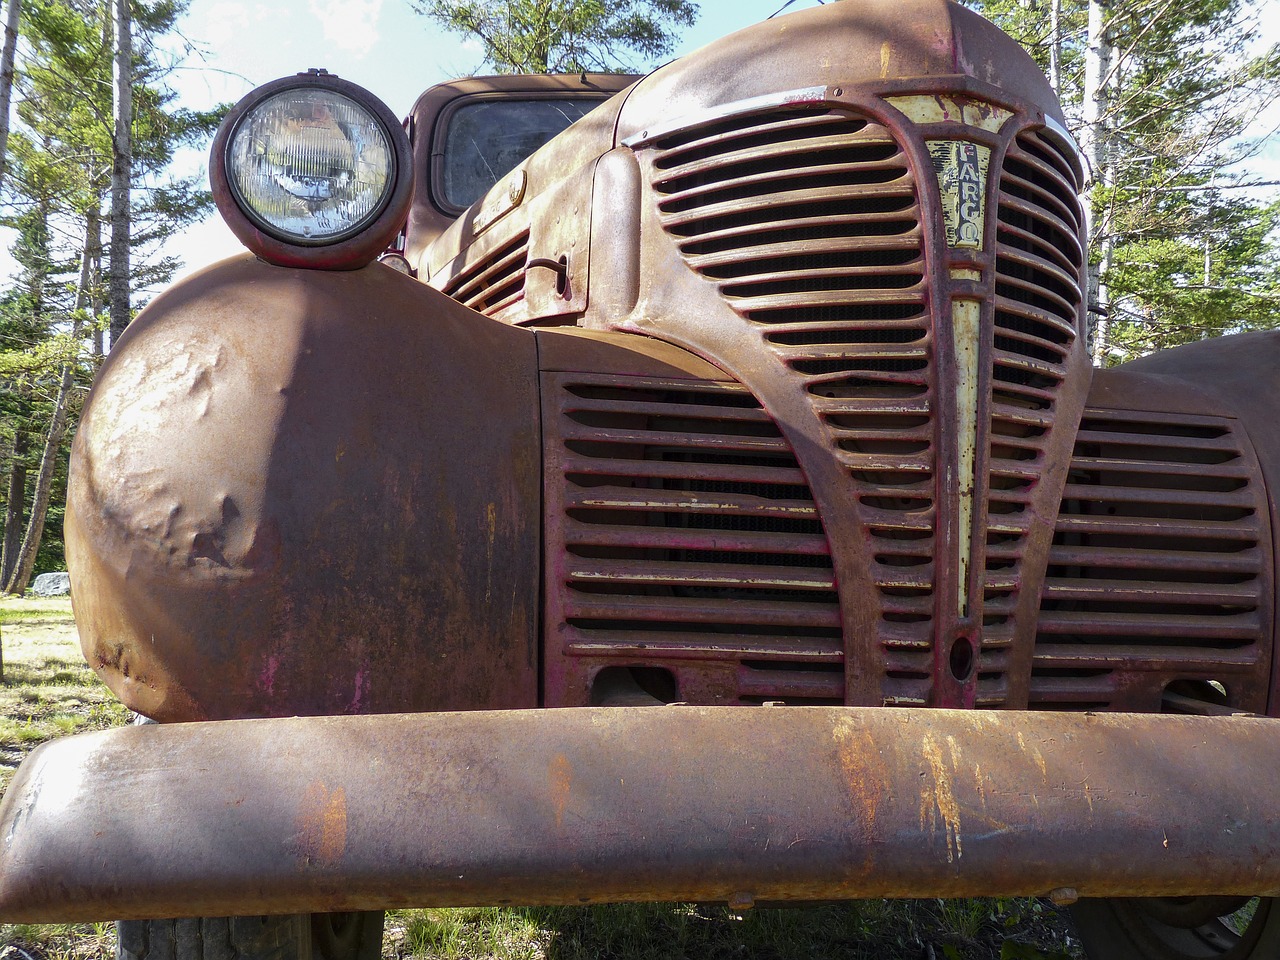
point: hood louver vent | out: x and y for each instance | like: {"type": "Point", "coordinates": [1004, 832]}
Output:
{"type": "Point", "coordinates": [495, 281]}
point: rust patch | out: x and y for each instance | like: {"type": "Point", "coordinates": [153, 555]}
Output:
{"type": "Point", "coordinates": [1036, 755]}
{"type": "Point", "coordinates": [322, 825]}
{"type": "Point", "coordinates": [561, 778]}
{"type": "Point", "coordinates": [938, 800]}
{"type": "Point", "coordinates": [864, 769]}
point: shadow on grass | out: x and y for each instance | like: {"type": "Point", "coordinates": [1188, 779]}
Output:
{"type": "Point", "coordinates": [1006, 929]}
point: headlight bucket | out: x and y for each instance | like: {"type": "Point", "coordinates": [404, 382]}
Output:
{"type": "Point", "coordinates": [312, 171]}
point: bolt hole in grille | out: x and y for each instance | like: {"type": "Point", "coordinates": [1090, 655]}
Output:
{"type": "Point", "coordinates": [688, 541]}
{"type": "Point", "coordinates": [1157, 586]}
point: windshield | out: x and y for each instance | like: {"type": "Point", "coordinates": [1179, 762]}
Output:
{"type": "Point", "coordinates": [488, 138]}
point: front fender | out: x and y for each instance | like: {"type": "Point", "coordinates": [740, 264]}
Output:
{"type": "Point", "coordinates": [306, 492]}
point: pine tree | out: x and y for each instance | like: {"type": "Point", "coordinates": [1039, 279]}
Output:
{"type": "Point", "coordinates": [1159, 96]}
{"type": "Point", "coordinates": [565, 36]}
{"type": "Point", "coordinates": [63, 151]}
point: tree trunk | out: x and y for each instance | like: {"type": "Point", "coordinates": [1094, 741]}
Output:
{"type": "Point", "coordinates": [93, 250]}
{"type": "Point", "coordinates": [16, 580]}
{"type": "Point", "coordinates": [26, 559]}
{"type": "Point", "coordinates": [121, 167]}
{"type": "Point", "coordinates": [11, 10]}
{"type": "Point", "coordinates": [88, 260]}
{"type": "Point", "coordinates": [17, 498]}
{"type": "Point", "coordinates": [1093, 144]}
{"type": "Point", "coordinates": [1055, 46]}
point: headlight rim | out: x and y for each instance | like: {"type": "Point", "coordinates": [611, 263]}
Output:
{"type": "Point", "coordinates": [348, 252]}
{"type": "Point", "coordinates": [283, 235]}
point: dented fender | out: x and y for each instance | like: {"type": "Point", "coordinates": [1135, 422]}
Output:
{"type": "Point", "coordinates": [309, 492]}
{"type": "Point", "coordinates": [626, 804]}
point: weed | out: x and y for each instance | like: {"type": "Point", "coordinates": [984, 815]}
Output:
{"type": "Point", "coordinates": [476, 932]}
{"type": "Point", "coordinates": [59, 941]}
{"type": "Point", "coordinates": [859, 930]}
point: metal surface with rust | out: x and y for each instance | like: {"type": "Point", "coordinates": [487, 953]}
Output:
{"type": "Point", "coordinates": [908, 427]}
{"type": "Point", "coordinates": [306, 492]}
{"type": "Point", "coordinates": [1238, 372]}
{"type": "Point", "coordinates": [658, 803]}
{"type": "Point", "coordinates": [429, 216]}
{"type": "Point", "coordinates": [1161, 592]}
{"type": "Point", "coordinates": [793, 229]}
{"type": "Point", "coordinates": [874, 41]}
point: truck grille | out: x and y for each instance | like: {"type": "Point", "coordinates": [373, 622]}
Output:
{"type": "Point", "coordinates": [681, 535]}
{"type": "Point", "coordinates": [1039, 263]}
{"type": "Point", "coordinates": [1157, 573]}
{"type": "Point", "coordinates": [494, 281]}
{"type": "Point", "coordinates": [808, 222]}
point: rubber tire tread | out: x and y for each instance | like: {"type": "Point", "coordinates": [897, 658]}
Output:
{"type": "Point", "coordinates": [363, 941]}
{"type": "Point", "coordinates": [215, 938]}
{"type": "Point", "coordinates": [1106, 934]}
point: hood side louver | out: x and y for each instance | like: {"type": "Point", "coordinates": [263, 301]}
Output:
{"type": "Point", "coordinates": [494, 282]}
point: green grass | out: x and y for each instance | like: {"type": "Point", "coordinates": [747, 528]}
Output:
{"type": "Point", "coordinates": [60, 941]}
{"type": "Point", "coordinates": [49, 691]}
{"type": "Point", "coordinates": [864, 930]}
{"type": "Point", "coordinates": [29, 609]}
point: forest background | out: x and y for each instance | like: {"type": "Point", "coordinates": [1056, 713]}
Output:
{"type": "Point", "coordinates": [101, 199]}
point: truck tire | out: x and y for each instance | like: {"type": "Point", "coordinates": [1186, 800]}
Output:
{"type": "Point", "coordinates": [1179, 928]}
{"type": "Point", "coordinates": [300, 936]}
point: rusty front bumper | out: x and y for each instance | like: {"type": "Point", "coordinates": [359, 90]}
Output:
{"type": "Point", "coordinates": [661, 803]}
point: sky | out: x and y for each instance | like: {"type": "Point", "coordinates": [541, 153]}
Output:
{"type": "Point", "coordinates": [383, 46]}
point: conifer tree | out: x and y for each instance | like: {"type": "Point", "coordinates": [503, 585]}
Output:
{"type": "Point", "coordinates": [565, 36]}
{"type": "Point", "coordinates": [63, 151]}
{"type": "Point", "coordinates": [1160, 96]}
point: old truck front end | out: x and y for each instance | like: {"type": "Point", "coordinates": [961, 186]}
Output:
{"type": "Point", "coordinates": [765, 384]}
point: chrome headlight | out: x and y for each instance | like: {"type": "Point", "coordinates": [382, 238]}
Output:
{"type": "Point", "coordinates": [306, 169]}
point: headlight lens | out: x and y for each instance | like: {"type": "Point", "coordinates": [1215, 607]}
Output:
{"type": "Point", "coordinates": [311, 166]}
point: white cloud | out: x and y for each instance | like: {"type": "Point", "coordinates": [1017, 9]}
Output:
{"type": "Point", "coordinates": [350, 25]}
{"type": "Point", "coordinates": [224, 23]}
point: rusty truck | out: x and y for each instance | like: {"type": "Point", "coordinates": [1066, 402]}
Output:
{"type": "Point", "coordinates": [692, 487]}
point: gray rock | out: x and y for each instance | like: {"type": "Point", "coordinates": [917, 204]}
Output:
{"type": "Point", "coordinates": [52, 585]}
